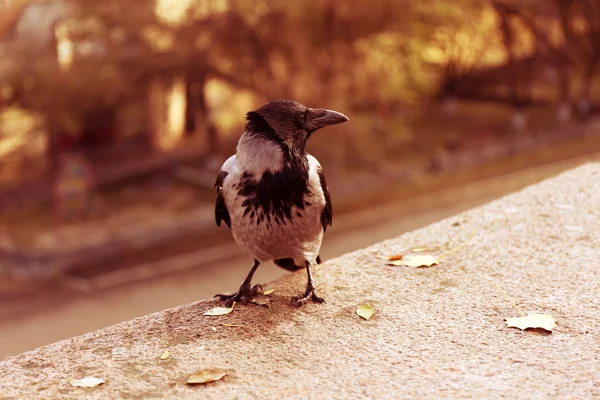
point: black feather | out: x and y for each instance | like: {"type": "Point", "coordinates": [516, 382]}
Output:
{"type": "Point", "coordinates": [221, 212]}
{"type": "Point", "coordinates": [288, 263]}
{"type": "Point", "coordinates": [273, 196]}
{"type": "Point", "coordinates": [257, 126]}
{"type": "Point", "coordinates": [327, 213]}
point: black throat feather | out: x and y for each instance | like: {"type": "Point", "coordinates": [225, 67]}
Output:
{"type": "Point", "coordinates": [272, 197]}
{"type": "Point", "coordinates": [257, 126]}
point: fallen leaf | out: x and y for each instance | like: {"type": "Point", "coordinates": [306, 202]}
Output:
{"type": "Point", "coordinates": [206, 376]}
{"type": "Point", "coordinates": [268, 292]}
{"type": "Point", "coordinates": [218, 311]}
{"type": "Point", "coordinates": [365, 311]}
{"type": "Point", "coordinates": [416, 260]}
{"type": "Point", "coordinates": [165, 355]}
{"type": "Point", "coordinates": [419, 249]}
{"type": "Point", "coordinates": [262, 300]}
{"type": "Point", "coordinates": [532, 321]}
{"type": "Point", "coordinates": [87, 382]}
{"type": "Point", "coordinates": [233, 325]}
{"type": "Point", "coordinates": [390, 258]}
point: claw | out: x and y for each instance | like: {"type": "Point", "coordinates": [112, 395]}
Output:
{"type": "Point", "coordinates": [242, 296]}
{"type": "Point", "coordinates": [309, 293]}
{"type": "Point", "coordinates": [298, 301]}
{"type": "Point", "coordinates": [244, 293]}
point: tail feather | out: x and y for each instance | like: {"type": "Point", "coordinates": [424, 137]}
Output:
{"type": "Point", "coordinates": [288, 263]}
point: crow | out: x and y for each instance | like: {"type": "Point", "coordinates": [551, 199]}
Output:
{"type": "Point", "coordinates": [273, 195]}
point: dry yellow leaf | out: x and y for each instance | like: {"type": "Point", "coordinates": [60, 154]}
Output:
{"type": "Point", "coordinates": [390, 258]}
{"type": "Point", "coordinates": [233, 325]}
{"type": "Point", "coordinates": [206, 376]}
{"type": "Point", "coordinates": [166, 354]}
{"type": "Point", "coordinates": [268, 292]}
{"type": "Point", "coordinates": [87, 382]}
{"type": "Point", "coordinates": [218, 311]}
{"type": "Point", "coordinates": [419, 249]}
{"type": "Point", "coordinates": [365, 311]}
{"type": "Point", "coordinates": [262, 300]}
{"type": "Point", "coordinates": [416, 260]}
{"type": "Point", "coordinates": [532, 321]}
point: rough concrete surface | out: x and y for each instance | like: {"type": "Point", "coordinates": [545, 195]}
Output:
{"type": "Point", "coordinates": [437, 333]}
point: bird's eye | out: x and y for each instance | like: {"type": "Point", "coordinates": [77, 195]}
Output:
{"type": "Point", "coordinates": [300, 119]}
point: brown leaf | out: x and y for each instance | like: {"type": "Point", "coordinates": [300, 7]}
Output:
{"type": "Point", "coordinates": [390, 258]}
{"type": "Point", "coordinates": [206, 376]}
{"type": "Point", "coordinates": [262, 300]}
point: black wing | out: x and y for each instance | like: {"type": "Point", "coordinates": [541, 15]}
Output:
{"type": "Point", "coordinates": [327, 213]}
{"type": "Point", "coordinates": [221, 212]}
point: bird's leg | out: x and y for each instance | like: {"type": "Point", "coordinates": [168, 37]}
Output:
{"type": "Point", "coordinates": [245, 293]}
{"type": "Point", "coordinates": [309, 293]}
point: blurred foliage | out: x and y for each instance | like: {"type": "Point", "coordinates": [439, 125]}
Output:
{"type": "Point", "coordinates": [351, 54]}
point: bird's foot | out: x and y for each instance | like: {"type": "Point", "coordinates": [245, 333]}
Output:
{"type": "Point", "coordinates": [243, 296]}
{"type": "Point", "coordinates": [309, 294]}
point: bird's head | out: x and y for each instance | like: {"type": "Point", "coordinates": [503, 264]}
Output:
{"type": "Point", "coordinates": [293, 123]}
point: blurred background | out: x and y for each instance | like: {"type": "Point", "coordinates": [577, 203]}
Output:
{"type": "Point", "coordinates": [115, 116]}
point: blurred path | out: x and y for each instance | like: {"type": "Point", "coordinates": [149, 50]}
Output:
{"type": "Point", "coordinates": [222, 268]}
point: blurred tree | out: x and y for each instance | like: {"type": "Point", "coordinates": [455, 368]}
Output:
{"type": "Point", "coordinates": [77, 80]}
{"type": "Point", "coordinates": [575, 49]}
{"type": "Point", "coordinates": [382, 54]}
{"type": "Point", "coordinates": [580, 23]}
{"type": "Point", "coordinates": [540, 21]}
{"type": "Point", "coordinates": [459, 47]}
{"type": "Point", "coordinates": [519, 87]}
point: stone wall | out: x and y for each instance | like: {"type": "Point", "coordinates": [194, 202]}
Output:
{"type": "Point", "coordinates": [437, 332]}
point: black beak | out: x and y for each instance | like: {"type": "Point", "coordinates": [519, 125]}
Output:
{"type": "Point", "coordinates": [320, 117]}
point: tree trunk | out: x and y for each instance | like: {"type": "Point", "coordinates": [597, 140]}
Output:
{"type": "Point", "coordinates": [212, 133]}
{"type": "Point", "coordinates": [584, 101]}
{"type": "Point", "coordinates": [52, 151]}
{"type": "Point", "coordinates": [564, 93]}
{"type": "Point", "coordinates": [190, 108]}
{"type": "Point", "coordinates": [519, 118]}
{"type": "Point", "coordinates": [99, 129]}
{"type": "Point", "coordinates": [508, 42]}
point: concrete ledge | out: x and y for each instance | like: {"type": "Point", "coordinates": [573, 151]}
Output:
{"type": "Point", "coordinates": [438, 332]}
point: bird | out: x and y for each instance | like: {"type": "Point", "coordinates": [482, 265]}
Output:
{"type": "Point", "coordinates": [273, 195]}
